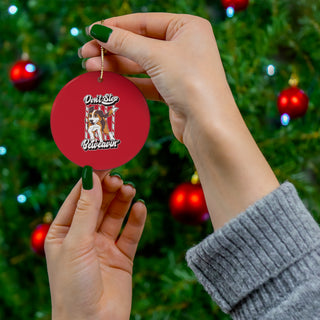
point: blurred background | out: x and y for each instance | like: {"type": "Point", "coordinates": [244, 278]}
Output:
{"type": "Point", "coordinates": [271, 53]}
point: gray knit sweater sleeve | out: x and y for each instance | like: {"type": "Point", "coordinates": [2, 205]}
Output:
{"type": "Point", "coordinates": [265, 263]}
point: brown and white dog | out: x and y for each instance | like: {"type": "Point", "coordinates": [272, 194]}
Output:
{"type": "Point", "coordinates": [98, 123]}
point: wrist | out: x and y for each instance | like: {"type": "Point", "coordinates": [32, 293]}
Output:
{"type": "Point", "coordinates": [232, 170]}
{"type": "Point", "coordinates": [56, 316]}
{"type": "Point", "coordinates": [210, 120]}
{"type": "Point", "coordinates": [211, 106]}
{"type": "Point", "coordinates": [61, 313]}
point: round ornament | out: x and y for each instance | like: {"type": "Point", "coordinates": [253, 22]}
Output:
{"type": "Point", "coordinates": [102, 124]}
{"type": "Point", "coordinates": [237, 5]}
{"type": "Point", "coordinates": [293, 101]}
{"type": "Point", "coordinates": [38, 237]}
{"type": "Point", "coordinates": [24, 75]}
{"type": "Point", "coordinates": [188, 205]}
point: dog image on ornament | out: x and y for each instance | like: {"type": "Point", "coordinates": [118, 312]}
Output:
{"type": "Point", "coordinates": [97, 123]}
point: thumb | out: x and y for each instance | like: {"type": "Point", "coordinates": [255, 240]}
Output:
{"type": "Point", "coordinates": [85, 218]}
{"type": "Point", "coordinates": [135, 47]}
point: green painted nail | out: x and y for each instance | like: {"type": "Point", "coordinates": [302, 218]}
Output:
{"type": "Point", "coordinates": [141, 200]}
{"type": "Point", "coordinates": [130, 183]}
{"type": "Point", "coordinates": [80, 53]}
{"type": "Point", "coordinates": [115, 174]}
{"type": "Point", "coordinates": [83, 63]}
{"type": "Point", "coordinates": [87, 182]}
{"type": "Point", "coordinates": [100, 32]}
{"type": "Point", "coordinates": [87, 29]}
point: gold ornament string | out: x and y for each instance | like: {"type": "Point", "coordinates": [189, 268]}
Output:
{"type": "Point", "coordinates": [102, 61]}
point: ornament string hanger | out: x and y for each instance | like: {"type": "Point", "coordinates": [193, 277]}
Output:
{"type": "Point", "coordinates": [102, 60]}
{"type": "Point", "coordinates": [294, 80]}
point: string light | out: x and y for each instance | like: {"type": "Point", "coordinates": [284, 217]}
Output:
{"type": "Point", "coordinates": [30, 67]}
{"type": "Point", "coordinates": [13, 9]}
{"type": "Point", "coordinates": [74, 31]}
{"type": "Point", "coordinates": [271, 70]}
{"type": "Point", "coordinates": [21, 198]}
{"type": "Point", "coordinates": [230, 12]}
{"type": "Point", "coordinates": [3, 150]}
{"type": "Point", "coordinates": [285, 119]}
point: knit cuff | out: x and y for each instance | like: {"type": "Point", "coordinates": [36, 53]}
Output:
{"type": "Point", "coordinates": [263, 243]}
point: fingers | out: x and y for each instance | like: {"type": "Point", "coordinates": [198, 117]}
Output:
{"type": "Point", "coordinates": [66, 212]}
{"type": "Point", "coordinates": [153, 25]}
{"type": "Point", "coordinates": [89, 49]}
{"type": "Point", "coordinates": [117, 211]}
{"type": "Point", "coordinates": [137, 48]}
{"type": "Point", "coordinates": [86, 214]}
{"type": "Point", "coordinates": [129, 239]}
{"type": "Point", "coordinates": [114, 63]}
{"type": "Point", "coordinates": [110, 187]}
{"type": "Point", "coordinates": [122, 65]}
{"type": "Point", "coordinates": [102, 173]}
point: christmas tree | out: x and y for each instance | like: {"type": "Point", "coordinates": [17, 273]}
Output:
{"type": "Point", "coordinates": [262, 46]}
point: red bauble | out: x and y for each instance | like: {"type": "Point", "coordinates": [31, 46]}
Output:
{"type": "Point", "coordinates": [237, 5]}
{"type": "Point", "coordinates": [188, 205]}
{"type": "Point", "coordinates": [293, 101]}
{"type": "Point", "coordinates": [24, 75]}
{"type": "Point", "coordinates": [38, 236]}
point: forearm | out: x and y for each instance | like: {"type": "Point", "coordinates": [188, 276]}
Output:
{"type": "Point", "coordinates": [232, 170]}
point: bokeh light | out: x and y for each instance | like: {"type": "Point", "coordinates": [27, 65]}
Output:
{"type": "Point", "coordinates": [74, 31]}
{"type": "Point", "coordinates": [271, 70]}
{"type": "Point", "coordinates": [285, 119]}
{"type": "Point", "coordinates": [230, 12]}
{"type": "Point", "coordinates": [21, 198]}
{"type": "Point", "coordinates": [3, 150]}
{"type": "Point", "coordinates": [30, 67]}
{"type": "Point", "coordinates": [13, 9]}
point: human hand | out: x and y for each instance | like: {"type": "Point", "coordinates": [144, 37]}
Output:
{"type": "Point", "coordinates": [180, 54]}
{"type": "Point", "coordinates": [177, 51]}
{"type": "Point", "coordinates": [89, 267]}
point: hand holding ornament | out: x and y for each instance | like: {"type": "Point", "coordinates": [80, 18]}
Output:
{"type": "Point", "coordinates": [89, 264]}
{"type": "Point", "coordinates": [180, 55]}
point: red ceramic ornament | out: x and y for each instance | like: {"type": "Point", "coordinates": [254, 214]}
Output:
{"type": "Point", "coordinates": [188, 205]}
{"type": "Point", "coordinates": [38, 237]}
{"type": "Point", "coordinates": [24, 75]}
{"type": "Point", "coordinates": [237, 5]}
{"type": "Point", "coordinates": [293, 101]}
{"type": "Point", "coordinates": [100, 124]}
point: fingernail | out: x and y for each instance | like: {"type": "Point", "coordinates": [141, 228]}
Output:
{"type": "Point", "coordinates": [130, 183]}
{"type": "Point", "coordinates": [88, 30]}
{"type": "Point", "coordinates": [100, 32]}
{"type": "Point", "coordinates": [141, 200]}
{"type": "Point", "coordinates": [80, 53]}
{"type": "Point", "coordinates": [83, 63]}
{"type": "Point", "coordinates": [115, 174]}
{"type": "Point", "coordinates": [87, 182]}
